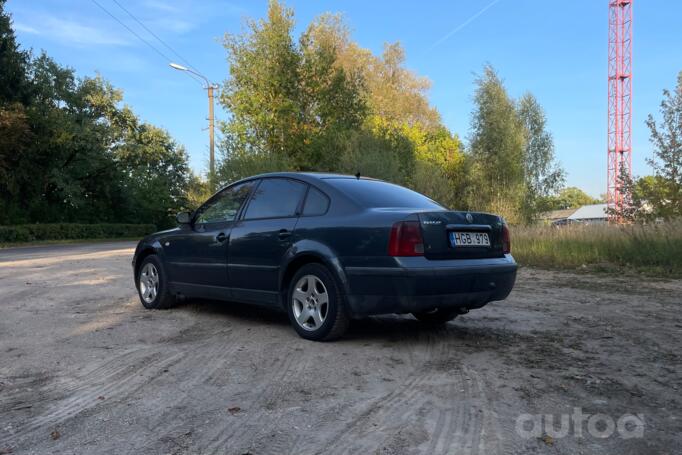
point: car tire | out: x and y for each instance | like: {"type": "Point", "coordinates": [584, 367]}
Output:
{"type": "Point", "coordinates": [436, 316]}
{"type": "Point", "coordinates": [152, 284]}
{"type": "Point", "coordinates": [315, 304]}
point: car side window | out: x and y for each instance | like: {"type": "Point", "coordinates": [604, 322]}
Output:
{"type": "Point", "coordinates": [225, 206]}
{"type": "Point", "coordinates": [316, 203]}
{"type": "Point", "coordinates": [275, 198]}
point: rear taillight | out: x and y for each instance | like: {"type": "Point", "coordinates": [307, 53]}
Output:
{"type": "Point", "coordinates": [506, 240]}
{"type": "Point", "coordinates": [406, 239]}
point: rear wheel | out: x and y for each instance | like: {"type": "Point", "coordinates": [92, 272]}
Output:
{"type": "Point", "coordinates": [152, 284]}
{"type": "Point", "coordinates": [315, 305]}
{"type": "Point", "coordinates": [436, 316]}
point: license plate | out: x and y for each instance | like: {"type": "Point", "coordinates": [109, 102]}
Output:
{"type": "Point", "coordinates": [461, 239]}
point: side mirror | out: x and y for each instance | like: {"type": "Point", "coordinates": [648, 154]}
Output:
{"type": "Point", "coordinates": [183, 218]}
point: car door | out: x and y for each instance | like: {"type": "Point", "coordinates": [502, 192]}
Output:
{"type": "Point", "coordinates": [196, 255]}
{"type": "Point", "coordinates": [259, 240]}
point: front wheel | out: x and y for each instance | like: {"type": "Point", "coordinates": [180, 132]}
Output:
{"type": "Point", "coordinates": [152, 285]}
{"type": "Point", "coordinates": [315, 305]}
{"type": "Point", "coordinates": [436, 316]}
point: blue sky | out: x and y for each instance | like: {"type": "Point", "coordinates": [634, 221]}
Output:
{"type": "Point", "coordinates": [556, 50]}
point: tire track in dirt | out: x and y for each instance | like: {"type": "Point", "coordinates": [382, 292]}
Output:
{"type": "Point", "coordinates": [490, 437]}
{"type": "Point", "coordinates": [222, 438]}
{"type": "Point", "coordinates": [446, 427]}
{"type": "Point", "coordinates": [112, 383]}
{"type": "Point", "coordinates": [440, 393]}
{"type": "Point", "coordinates": [204, 358]}
{"type": "Point", "coordinates": [64, 386]}
{"type": "Point", "coordinates": [349, 438]}
{"type": "Point", "coordinates": [470, 426]}
{"type": "Point", "coordinates": [270, 390]}
{"type": "Point", "coordinates": [396, 409]}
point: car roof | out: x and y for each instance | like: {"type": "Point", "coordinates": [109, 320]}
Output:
{"type": "Point", "coordinates": [322, 180]}
{"type": "Point", "coordinates": [309, 176]}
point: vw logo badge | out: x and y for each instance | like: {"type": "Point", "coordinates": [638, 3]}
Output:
{"type": "Point", "coordinates": [470, 219]}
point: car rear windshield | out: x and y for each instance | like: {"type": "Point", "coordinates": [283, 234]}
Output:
{"type": "Point", "coordinates": [375, 193]}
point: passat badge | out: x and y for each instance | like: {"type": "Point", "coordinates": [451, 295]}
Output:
{"type": "Point", "coordinates": [432, 221]}
{"type": "Point", "coordinates": [470, 219]}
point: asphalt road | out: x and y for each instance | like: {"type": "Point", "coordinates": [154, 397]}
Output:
{"type": "Point", "coordinates": [84, 369]}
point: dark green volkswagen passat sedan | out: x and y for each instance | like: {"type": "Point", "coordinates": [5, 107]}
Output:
{"type": "Point", "coordinates": [328, 248]}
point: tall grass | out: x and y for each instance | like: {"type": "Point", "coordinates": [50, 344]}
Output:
{"type": "Point", "coordinates": [651, 249]}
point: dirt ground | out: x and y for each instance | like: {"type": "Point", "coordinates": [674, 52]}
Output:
{"type": "Point", "coordinates": [85, 369]}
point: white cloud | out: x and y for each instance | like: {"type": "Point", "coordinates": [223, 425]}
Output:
{"type": "Point", "coordinates": [74, 32]}
{"type": "Point", "coordinates": [192, 10]}
{"type": "Point", "coordinates": [172, 25]}
{"type": "Point", "coordinates": [92, 27]}
{"type": "Point", "coordinates": [162, 6]}
{"type": "Point", "coordinates": [18, 26]}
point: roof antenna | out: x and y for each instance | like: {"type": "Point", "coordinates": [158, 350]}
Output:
{"type": "Point", "coordinates": [357, 176]}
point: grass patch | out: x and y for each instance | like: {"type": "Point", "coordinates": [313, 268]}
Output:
{"type": "Point", "coordinates": [650, 249]}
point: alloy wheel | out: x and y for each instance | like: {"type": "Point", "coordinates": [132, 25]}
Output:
{"type": "Point", "coordinates": [149, 282]}
{"type": "Point", "coordinates": [310, 302]}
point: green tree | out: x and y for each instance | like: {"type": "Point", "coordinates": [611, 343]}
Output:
{"type": "Point", "coordinates": [263, 90]}
{"type": "Point", "coordinates": [543, 176]}
{"type": "Point", "coordinates": [398, 94]}
{"type": "Point", "coordinates": [629, 210]}
{"type": "Point", "coordinates": [340, 108]}
{"type": "Point", "coordinates": [568, 198]}
{"type": "Point", "coordinates": [646, 199]}
{"type": "Point", "coordinates": [287, 99]}
{"type": "Point", "coordinates": [69, 152]}
{"type": "Point", "coordinates": [198, 191]}
{"type": "Point", "coordinates": [650, 196]}
{"type": "Point", "coordinates": [13, 62]}
{"type": "Point", "coordinates": [666, 138]}
{"type": "Point", "coordinates": [497, 150]}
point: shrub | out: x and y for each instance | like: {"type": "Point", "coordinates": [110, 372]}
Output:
{"type": "Point", "coordinates": [72, 231]}
{"type": "Point", "coordinates": [655, 248]}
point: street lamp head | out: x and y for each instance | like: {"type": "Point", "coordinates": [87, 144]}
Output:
{"type": "Point", "coordinates": [179, 67]}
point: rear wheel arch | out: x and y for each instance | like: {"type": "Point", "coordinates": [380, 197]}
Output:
{"type": "Point", "coordinates": [295, 264]}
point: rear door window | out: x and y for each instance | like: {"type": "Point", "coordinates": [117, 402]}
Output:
{"type": "Point", "coordinates": [275, 198]}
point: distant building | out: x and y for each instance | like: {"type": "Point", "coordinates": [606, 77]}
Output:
{"type": "Point", "coordinates": [557, 217]}
{"type": "Point", "coordinates": [590, 214]}
{"type": "Point", "coordinates": [587, 214]}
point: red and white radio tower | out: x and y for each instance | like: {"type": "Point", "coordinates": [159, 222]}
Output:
{"type": "Point", "coordinates": [620, 102]}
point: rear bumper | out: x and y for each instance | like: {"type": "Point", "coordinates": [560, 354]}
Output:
{"type": "Point", "coordinates": [418, 284]}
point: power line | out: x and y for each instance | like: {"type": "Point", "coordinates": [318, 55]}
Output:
{"type": "Point", "coordinates": [166, 45]}
{"type": "Point", "coordinates": [152, 47]}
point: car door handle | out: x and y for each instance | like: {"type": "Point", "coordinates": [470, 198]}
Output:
{"type": "Point", "coordinates": [221, 237]}
{"type": "Point", "coordinates": [283, 234]}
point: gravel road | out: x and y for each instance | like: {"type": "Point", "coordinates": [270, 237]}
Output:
{"type": "Point", "coordinates": [84, 369]}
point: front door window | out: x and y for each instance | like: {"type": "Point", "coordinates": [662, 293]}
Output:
{"type": "Point", "coordinates": [223, 207]}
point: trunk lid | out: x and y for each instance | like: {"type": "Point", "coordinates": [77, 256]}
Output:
{"type": "Point", "coordinates": [438, 226]}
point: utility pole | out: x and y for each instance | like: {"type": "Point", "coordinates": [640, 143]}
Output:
{"type": "Point", "coordinates": [211, 122]}
{"type": "Point", "coordinates": [211, 142]}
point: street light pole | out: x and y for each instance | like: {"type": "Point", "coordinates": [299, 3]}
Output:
{"type": "Point", "coordinates": [211, 122]}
